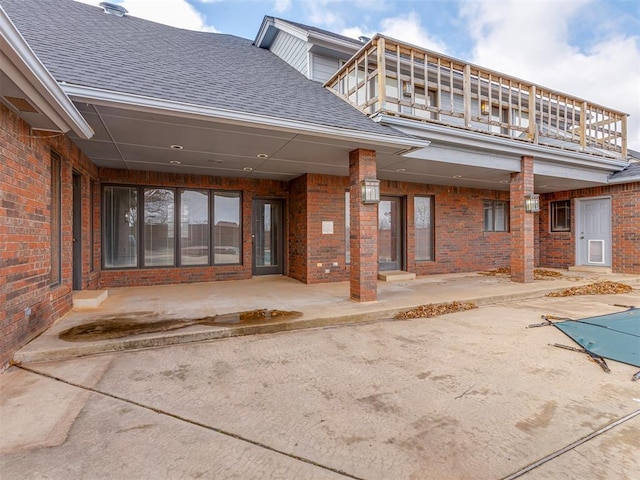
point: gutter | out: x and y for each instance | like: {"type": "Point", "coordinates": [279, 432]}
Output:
{"type": "Point", "coordinates": [502, 145]}
{"type": "Point", "coordinates": [25, 65]}
{"type": "Point", "coordinates": [154, 105]}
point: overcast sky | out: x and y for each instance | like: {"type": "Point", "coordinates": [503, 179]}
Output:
{"type": "Point", "coordinates": [585, 48]}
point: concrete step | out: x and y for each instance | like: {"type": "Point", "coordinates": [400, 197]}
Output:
{"type": "Point", "coordinates": [396, 276]}
{"type": "Point", "coordinates": [87, 299]}
{"type": "Point", "coordinates": [591, 269]}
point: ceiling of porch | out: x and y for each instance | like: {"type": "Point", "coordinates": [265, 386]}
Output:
{"type": "Point", "coordinates": [136, 140]}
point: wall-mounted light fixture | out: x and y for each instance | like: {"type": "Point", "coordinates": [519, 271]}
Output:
{"type": "Point", "coordinates": [370, 190]}
{"type": "Point", "coordinates": [484, 108]}
{"type": "Point", "coordinates": [532, 203]}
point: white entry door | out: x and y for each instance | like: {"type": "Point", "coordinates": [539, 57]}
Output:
{"type": "Point", "coordinates": [594, 232]}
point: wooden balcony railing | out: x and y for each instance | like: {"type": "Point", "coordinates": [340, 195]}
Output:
{"type": "Point", "coordinates": [429, 87]}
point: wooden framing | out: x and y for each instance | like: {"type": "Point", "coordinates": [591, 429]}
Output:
{"type": "Point", "coordinates": [426, 86]}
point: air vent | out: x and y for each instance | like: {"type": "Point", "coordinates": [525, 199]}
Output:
{"type": "Point", "coordinates": [113, 9]}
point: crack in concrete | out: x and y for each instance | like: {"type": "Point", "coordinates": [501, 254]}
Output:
{"type": "Point", "coordinates": [193, 422]}
{"type": "Point", "coordinates": [571, 446]}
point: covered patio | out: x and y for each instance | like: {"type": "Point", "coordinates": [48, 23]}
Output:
{"type": "Point", "coordinates": [317, 305]}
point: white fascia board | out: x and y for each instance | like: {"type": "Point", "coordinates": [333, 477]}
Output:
{"type": "Point", "coordinates": [480, 141]}
{"type": "Point", "coordinates": [187, 110]}
{"type": "Point", "coordinates": [624, 180]}
{"type": "Point", "coordinates": [29, 72]}
{"type": "Point", "coordinates": [328, 41]}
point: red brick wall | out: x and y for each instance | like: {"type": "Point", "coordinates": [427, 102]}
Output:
{"type": "Point", "coordinates": [25, 234]}
{"type": "Point", "coordinates": [522, 223]}
{"type": "Point", "coordinates": [298, 228]}
{"type": "Point", "coordinates": [250, 188]}
{"type": "Point", "coordinates": [557, 249]}
{"type": "Point", "coordinates": [461, 243]}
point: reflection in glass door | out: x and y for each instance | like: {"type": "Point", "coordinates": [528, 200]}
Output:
{"type": "Point", "coordinates": [390, 240]}
{"type": "Point", "coordinates": [267, 236]}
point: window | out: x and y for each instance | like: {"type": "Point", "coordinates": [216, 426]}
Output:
{"type": "Point", "coordinates": [159, 227]}
{"type": "Point", "coordinates": [561, 216]}
{"type": "Point", "coordinates": [347, 227]}
{"type": "Point", "coordinates": [120, 232]}
{"type": "Point", "coordinates": [194, 227]}
{"type": "Point", "coordinates": [178, 227]}
{"type": "Point", "coordinates": [227, 228]}
{"type": "Point", "coordinates": [423, 221]}
{"type": "Point", "coordinates": [496, 216]}
{"type": "Point", "coordinates": [55, 220]}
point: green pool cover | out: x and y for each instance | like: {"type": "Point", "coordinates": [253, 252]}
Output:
{"type": "Point", "coordinates": [615, 336]}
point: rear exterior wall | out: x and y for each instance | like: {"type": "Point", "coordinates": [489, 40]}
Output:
{"type": "Point", "coordinates": [30, 300]}
{"type": "Point", "coordinates": [461, 244]}
{"type": "Point", "coordinates": [557, 249]}
{"type": "Point", "coordinates": [250, 188]}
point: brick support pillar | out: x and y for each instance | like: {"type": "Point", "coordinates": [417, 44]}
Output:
{"type": "Point", "coordinates": [521, 224]}
{"type": "Point", "coordinates": [364, 229]}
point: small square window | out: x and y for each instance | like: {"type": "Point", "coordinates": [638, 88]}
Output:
{"type": "Point", "coordinates": [496, 216]}
{"type": "Point", "coordinates": [561, 216]}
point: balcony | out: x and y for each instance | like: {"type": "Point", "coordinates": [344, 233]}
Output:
{"type": "Point", "coordinates": [428, 87]}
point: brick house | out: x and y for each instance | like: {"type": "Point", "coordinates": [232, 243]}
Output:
{"type": "Point", "coordinates": [135, 153]}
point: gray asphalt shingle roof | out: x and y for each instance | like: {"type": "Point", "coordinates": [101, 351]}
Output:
{"type": "Point", "coordinates": [632, 172]}
{"type": "Point", "coordinates": [81, 45]}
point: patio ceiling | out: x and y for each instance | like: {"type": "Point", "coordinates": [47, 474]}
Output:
{"type": "Point", "coordinates": [141, 140]}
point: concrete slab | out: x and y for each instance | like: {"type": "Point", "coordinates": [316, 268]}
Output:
{"type": "Point", "coordinates": [396, 276]}
{"type": "Point", "coordinates": [320, 305]}
{"type": "Point", "coordinates": [88, 299]}
{"type": "Point", "coordinates": [471, 395]}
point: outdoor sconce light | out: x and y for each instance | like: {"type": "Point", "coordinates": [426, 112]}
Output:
{"type": "Point", "coordinates": [532, 203]}
{"type": "Point", "coordinates": [370, 190]}
{"type": "Point", "coordinates": [484, 108]}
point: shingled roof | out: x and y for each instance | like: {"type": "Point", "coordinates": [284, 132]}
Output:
{"type": "Point", "coordinates": [81, 45]}
{"type": "Point", "coordinates": [629, 174]}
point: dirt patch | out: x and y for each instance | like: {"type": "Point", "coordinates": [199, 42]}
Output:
{"type": "Point", "coordinates": [538, 273]}
{"type": "Point", "coordinates": [118, 327]}
{"type": "Point", "coordinates": [598, 288]}
{"type": "Point", "coordinates": [435, 310]}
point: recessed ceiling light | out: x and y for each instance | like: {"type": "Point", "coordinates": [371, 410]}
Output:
{"type": "Point", "coordinates": [504, 181]}
{"type": "Point", "coordinates": [175, 162]}
{"type": "Point", "coordinates": [177, 147]}
{"type": "Point", "coordinates": [401, 169]}
{"type": "Point", "coordinates": [248, 169]}
{"type": "Point", "coordinates": [262, 155]}
{"type": "Point", "coordinates": [457, 176]}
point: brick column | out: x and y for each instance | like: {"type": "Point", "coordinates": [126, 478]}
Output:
{"type": "Point", "coordinates": [364, 229]}
{"type": "Point", "coordinates": [521, 223]}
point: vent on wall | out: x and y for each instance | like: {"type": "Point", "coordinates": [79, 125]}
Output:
{"type": "Point", "coordinates": [113, 9]}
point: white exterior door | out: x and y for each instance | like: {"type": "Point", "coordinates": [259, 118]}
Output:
{"type": "Point", "coordinates": [594, 232]}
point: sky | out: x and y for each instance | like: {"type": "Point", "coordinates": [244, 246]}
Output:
{"type": "Point", "coordinates": [585, 48]}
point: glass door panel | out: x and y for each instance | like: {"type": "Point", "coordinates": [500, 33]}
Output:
{"type": "Point", "coordinates": [267, 237]}
{"type": "Point", "coordinates": [390, 238]}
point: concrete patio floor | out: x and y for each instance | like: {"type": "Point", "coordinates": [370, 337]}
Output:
{"type": "Point", "coordinates": [470, 395]}
{"type": "Point", "coordinates": [320, 305]}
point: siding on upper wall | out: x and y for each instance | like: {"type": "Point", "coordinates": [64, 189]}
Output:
{"type": "Point", "coordinates": [292, 50]}
{"type": "Point", "coordinates": [323, 67]}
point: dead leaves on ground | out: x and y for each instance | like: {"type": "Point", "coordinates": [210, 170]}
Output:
{"type": "Point", "coordinates": [435, 310]}
{"type": "Point", "coordinates": [538, 273]}
{"type": "Point", "coordinates": [598, 288]}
